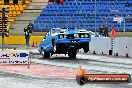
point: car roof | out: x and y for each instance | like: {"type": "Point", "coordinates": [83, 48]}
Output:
{"type": "Point", "coordinates": [69, 31]}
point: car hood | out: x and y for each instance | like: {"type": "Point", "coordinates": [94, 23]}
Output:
{"type": "Point", "coordinates": [69, 31]}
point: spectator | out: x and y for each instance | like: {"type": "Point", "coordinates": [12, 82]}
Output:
{"type": "Point", "coordinates": [15, 2]}
{"type": "Point", "coordinates": [51, 1]}
{"type": "Point", "coordinates": [115, 19]}
{"type": "Point", "coordinates": [6, 2]}
{"type": "Point", "coordinates": [129, 18]}
{"type": "Point", "coordinates": [28, 31]}
{"type": "Point", "coordinates": [30, 26]}
{"type": "Point", "coordinates": [127, 4]}
{"type": "Point", "coordinates": [23, 2]}
{"type": "Point", "coordinates": [62, 2]}
{"type": "Point", "coordinates": [103, 30]}
{"type": "Point", "coordinates": [27, 35]}
{"type": "Point", "coordinates": [58, 1]}
{"type": "Point", "coordinates": [106, 31]}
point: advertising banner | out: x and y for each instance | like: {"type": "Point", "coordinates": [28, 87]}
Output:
{"type": "Point", "coordinates": [14, 57]}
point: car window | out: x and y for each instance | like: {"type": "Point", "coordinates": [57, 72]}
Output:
{"type": "Point", "coordinates": [55, 31]}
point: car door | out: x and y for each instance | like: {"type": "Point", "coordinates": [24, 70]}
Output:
{"type": "Point", "coordinates": [43, 44]}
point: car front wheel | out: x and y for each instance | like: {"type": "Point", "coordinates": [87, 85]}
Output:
{"type": "Point", "coordinates": [54, 45]}
{"type": "Point", "coordinates": [46, 54]}
{"type": "Point", "coordinates": [86, 48]}
{"type": "Point", "coordinates": [72, 54]}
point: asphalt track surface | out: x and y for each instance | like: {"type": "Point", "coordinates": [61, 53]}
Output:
{"type": "Point", "coordinates": [92, 64]}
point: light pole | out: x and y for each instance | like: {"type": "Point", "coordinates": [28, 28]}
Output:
{"type": "Point", "coordinates": [124, 25]}
{"type": "Point", "coordinates": [95, 14]}
{"type": "Point", "coordinates": [124, 29]}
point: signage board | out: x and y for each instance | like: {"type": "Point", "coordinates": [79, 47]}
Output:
{"type": "Point", "coordinates": [14, 57]}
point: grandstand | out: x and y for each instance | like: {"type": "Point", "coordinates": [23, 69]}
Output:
{"type": "Point", "coordinates": [15, 10]}
{"type": "Point", "coordinates": [29, 14]}
{"type": "Point", "coordinates": [89, 14]}
{"type": "Point", "coordinates": [22, 13]}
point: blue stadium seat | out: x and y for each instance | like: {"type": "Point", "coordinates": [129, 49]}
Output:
{"type": "Point", "coordinates": [81, 14]}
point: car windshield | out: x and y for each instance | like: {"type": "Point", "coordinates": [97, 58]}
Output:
{"type": "Point", "coordinates": [58, 30]}
{"type": "Point", "coordinates": [91, 33]}
{"type": "Point", "coordinates": [81, 30]}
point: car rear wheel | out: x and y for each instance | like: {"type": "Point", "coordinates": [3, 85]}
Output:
{"type": "Point", "coordinates": [72, 54]}
{"type": "Point", "coordinates": [85, 50]}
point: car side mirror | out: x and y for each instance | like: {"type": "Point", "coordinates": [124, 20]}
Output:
{"type": "Point", "coordinates": [46, 35]}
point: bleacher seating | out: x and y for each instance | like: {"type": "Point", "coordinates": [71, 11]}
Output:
{"type": "Point", "coordinates": [14, 10]}
{"type": "Point", "coordinates": [89, 14]}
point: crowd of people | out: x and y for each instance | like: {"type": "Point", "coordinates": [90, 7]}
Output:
{"type": "Point", "coordinates": [14, 1]}
{"type": "Point", "coordinates": [56, 1]}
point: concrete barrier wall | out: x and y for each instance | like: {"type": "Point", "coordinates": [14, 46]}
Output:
{"type": "Point", "coordinates": [123, 46]}
{"type": "Point", "coordinates": [100, 45]}
{"type": "Point", "coordinates": [129, 49]}
{"type": "Point", "coordinates": [21, 39]}
{"type": "Point", "coordinates": [120, 46]}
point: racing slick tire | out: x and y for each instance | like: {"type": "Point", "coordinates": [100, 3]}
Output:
{"type": "Point", "coordinates": [72, 54]}
{"type": "Point", "coordinates": [85, 50]}
{"type": "Point", "coordinates": [46, 54]}
{"type": "Point", "coordinates": [54, 45]}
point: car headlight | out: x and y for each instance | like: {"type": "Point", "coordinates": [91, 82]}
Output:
{"type": "Point", "coordinates": [86, 35]}
{"type": "Point", "coordinates": [61, 36]}
{"type": "Point", "coordinates": [82, 36]}
{"type": "Point", "coordinates": [76, 36]}
{"type": "Point", "coordinates": [65, 36]}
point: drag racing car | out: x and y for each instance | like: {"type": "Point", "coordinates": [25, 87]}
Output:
{"type": "Point", "coordinates": [65, 41]}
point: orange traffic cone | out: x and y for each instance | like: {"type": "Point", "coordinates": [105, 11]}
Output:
{"type": "Point", "coordinates": [33, 45]}
{"type": "Point", "coordinates": [113, 33]}
{"type": "Point", "coordinates": [81, 72]}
